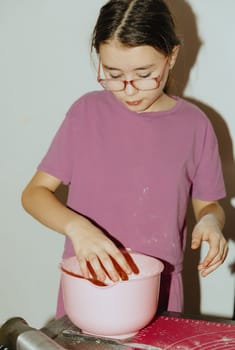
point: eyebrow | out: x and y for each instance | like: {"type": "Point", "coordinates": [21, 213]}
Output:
{"type": "Point", "coordinates": [136, 69]}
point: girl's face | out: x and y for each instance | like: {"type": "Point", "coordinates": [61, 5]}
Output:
{"type": "Point", "coordinates": [142, 62]}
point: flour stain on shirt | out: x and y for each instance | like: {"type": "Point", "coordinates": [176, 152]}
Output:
{"type": "Point", "coordinates": [152, 240]}
{"type": "Point", "coordinates": [145, 190]}
{"type": "Point", "coordinates": [143, 193]}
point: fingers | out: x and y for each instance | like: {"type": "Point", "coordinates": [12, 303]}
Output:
{"type": "Point", "coordinates": [216, 255]}
{"type": "Point", "coordinates": [195, 243]}
{"type": "Point", "coordinates": [209, 231]}
{"type": "Point", "coordinates": [97, 255]}
{"type": "Point", "coordinates": [91, 268]}
{"type": "Point", "coordinates": [196, 238]}
{"type": "Point", "coordinates": [100, 264]}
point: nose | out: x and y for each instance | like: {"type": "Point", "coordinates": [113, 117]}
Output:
{"type": "Point", "coordinates": [129, 88]}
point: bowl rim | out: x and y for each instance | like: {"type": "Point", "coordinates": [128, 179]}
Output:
{"type": "Point", "coordinates": [98, 283]}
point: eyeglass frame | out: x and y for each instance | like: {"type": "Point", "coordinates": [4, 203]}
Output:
{"type": "Point", "coordinates": [158, 79]}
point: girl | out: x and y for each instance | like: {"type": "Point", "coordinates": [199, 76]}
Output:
{"type": "Point", "coordinates": [132, 156]}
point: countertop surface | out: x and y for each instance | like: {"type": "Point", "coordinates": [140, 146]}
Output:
{"type": "Point", "coordinates": [169, 331]}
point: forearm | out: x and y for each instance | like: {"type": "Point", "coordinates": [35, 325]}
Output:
{"type": "Point", "coordinates": [211, 209]}
{"type": "Point", "coordinates": [43, 205]}
{"type": "Point", "coordinates": [89, 242]}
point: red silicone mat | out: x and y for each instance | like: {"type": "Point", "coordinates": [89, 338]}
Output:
{"type": "Point", "coordinates": [176, 333]}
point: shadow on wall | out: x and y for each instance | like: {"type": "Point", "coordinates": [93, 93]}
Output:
{"type": "Point", "coordinates": [191, 43]}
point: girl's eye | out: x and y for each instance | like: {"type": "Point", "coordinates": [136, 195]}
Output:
{"type": "Point", "coordinates": [144, 75]}
{"type": "Point", "coordinates": [115, 76]}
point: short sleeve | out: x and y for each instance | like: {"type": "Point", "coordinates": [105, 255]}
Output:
{"type": "Point", "coordinates": [208, 181]}
{"type": "Point", "coordinates": [58, 160]}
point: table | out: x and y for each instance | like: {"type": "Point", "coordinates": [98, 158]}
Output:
{"type": "Point", "coordinates": [169, 331]}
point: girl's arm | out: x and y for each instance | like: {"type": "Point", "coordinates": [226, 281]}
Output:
{"type": "Point", "coordinates": [89, 242]}
{"type": "Point", "coordinates": [210, 222]}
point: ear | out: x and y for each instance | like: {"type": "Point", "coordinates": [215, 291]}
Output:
{"type": "Point", "coordinates": [173, 56]}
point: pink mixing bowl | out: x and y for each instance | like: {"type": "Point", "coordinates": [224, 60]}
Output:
{"type": "Point", "coordinates": [118, 310]}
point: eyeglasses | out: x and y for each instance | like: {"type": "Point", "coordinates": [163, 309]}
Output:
{"type": "Point", "coordinates": [139, 84]}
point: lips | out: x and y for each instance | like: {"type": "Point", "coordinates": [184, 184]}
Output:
{"type": "Point", "coordinates": [133, 103]}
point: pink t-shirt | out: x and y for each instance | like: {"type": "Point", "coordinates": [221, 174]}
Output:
{"type": "Point", "coordinates": [133, 174]}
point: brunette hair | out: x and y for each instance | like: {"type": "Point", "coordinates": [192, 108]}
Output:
{"type": "Point", "coordinates": [135, 23]}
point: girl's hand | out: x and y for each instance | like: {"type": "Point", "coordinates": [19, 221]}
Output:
{"type": "Point", "coordinates": [97, 253]}
{"type": "Point", "coordinates": [208, 230]}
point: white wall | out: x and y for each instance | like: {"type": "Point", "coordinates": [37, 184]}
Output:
{"type": "Point", "coordinates": [44, 66]}
{"type": "Point", "coordinates": [211, 85]}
